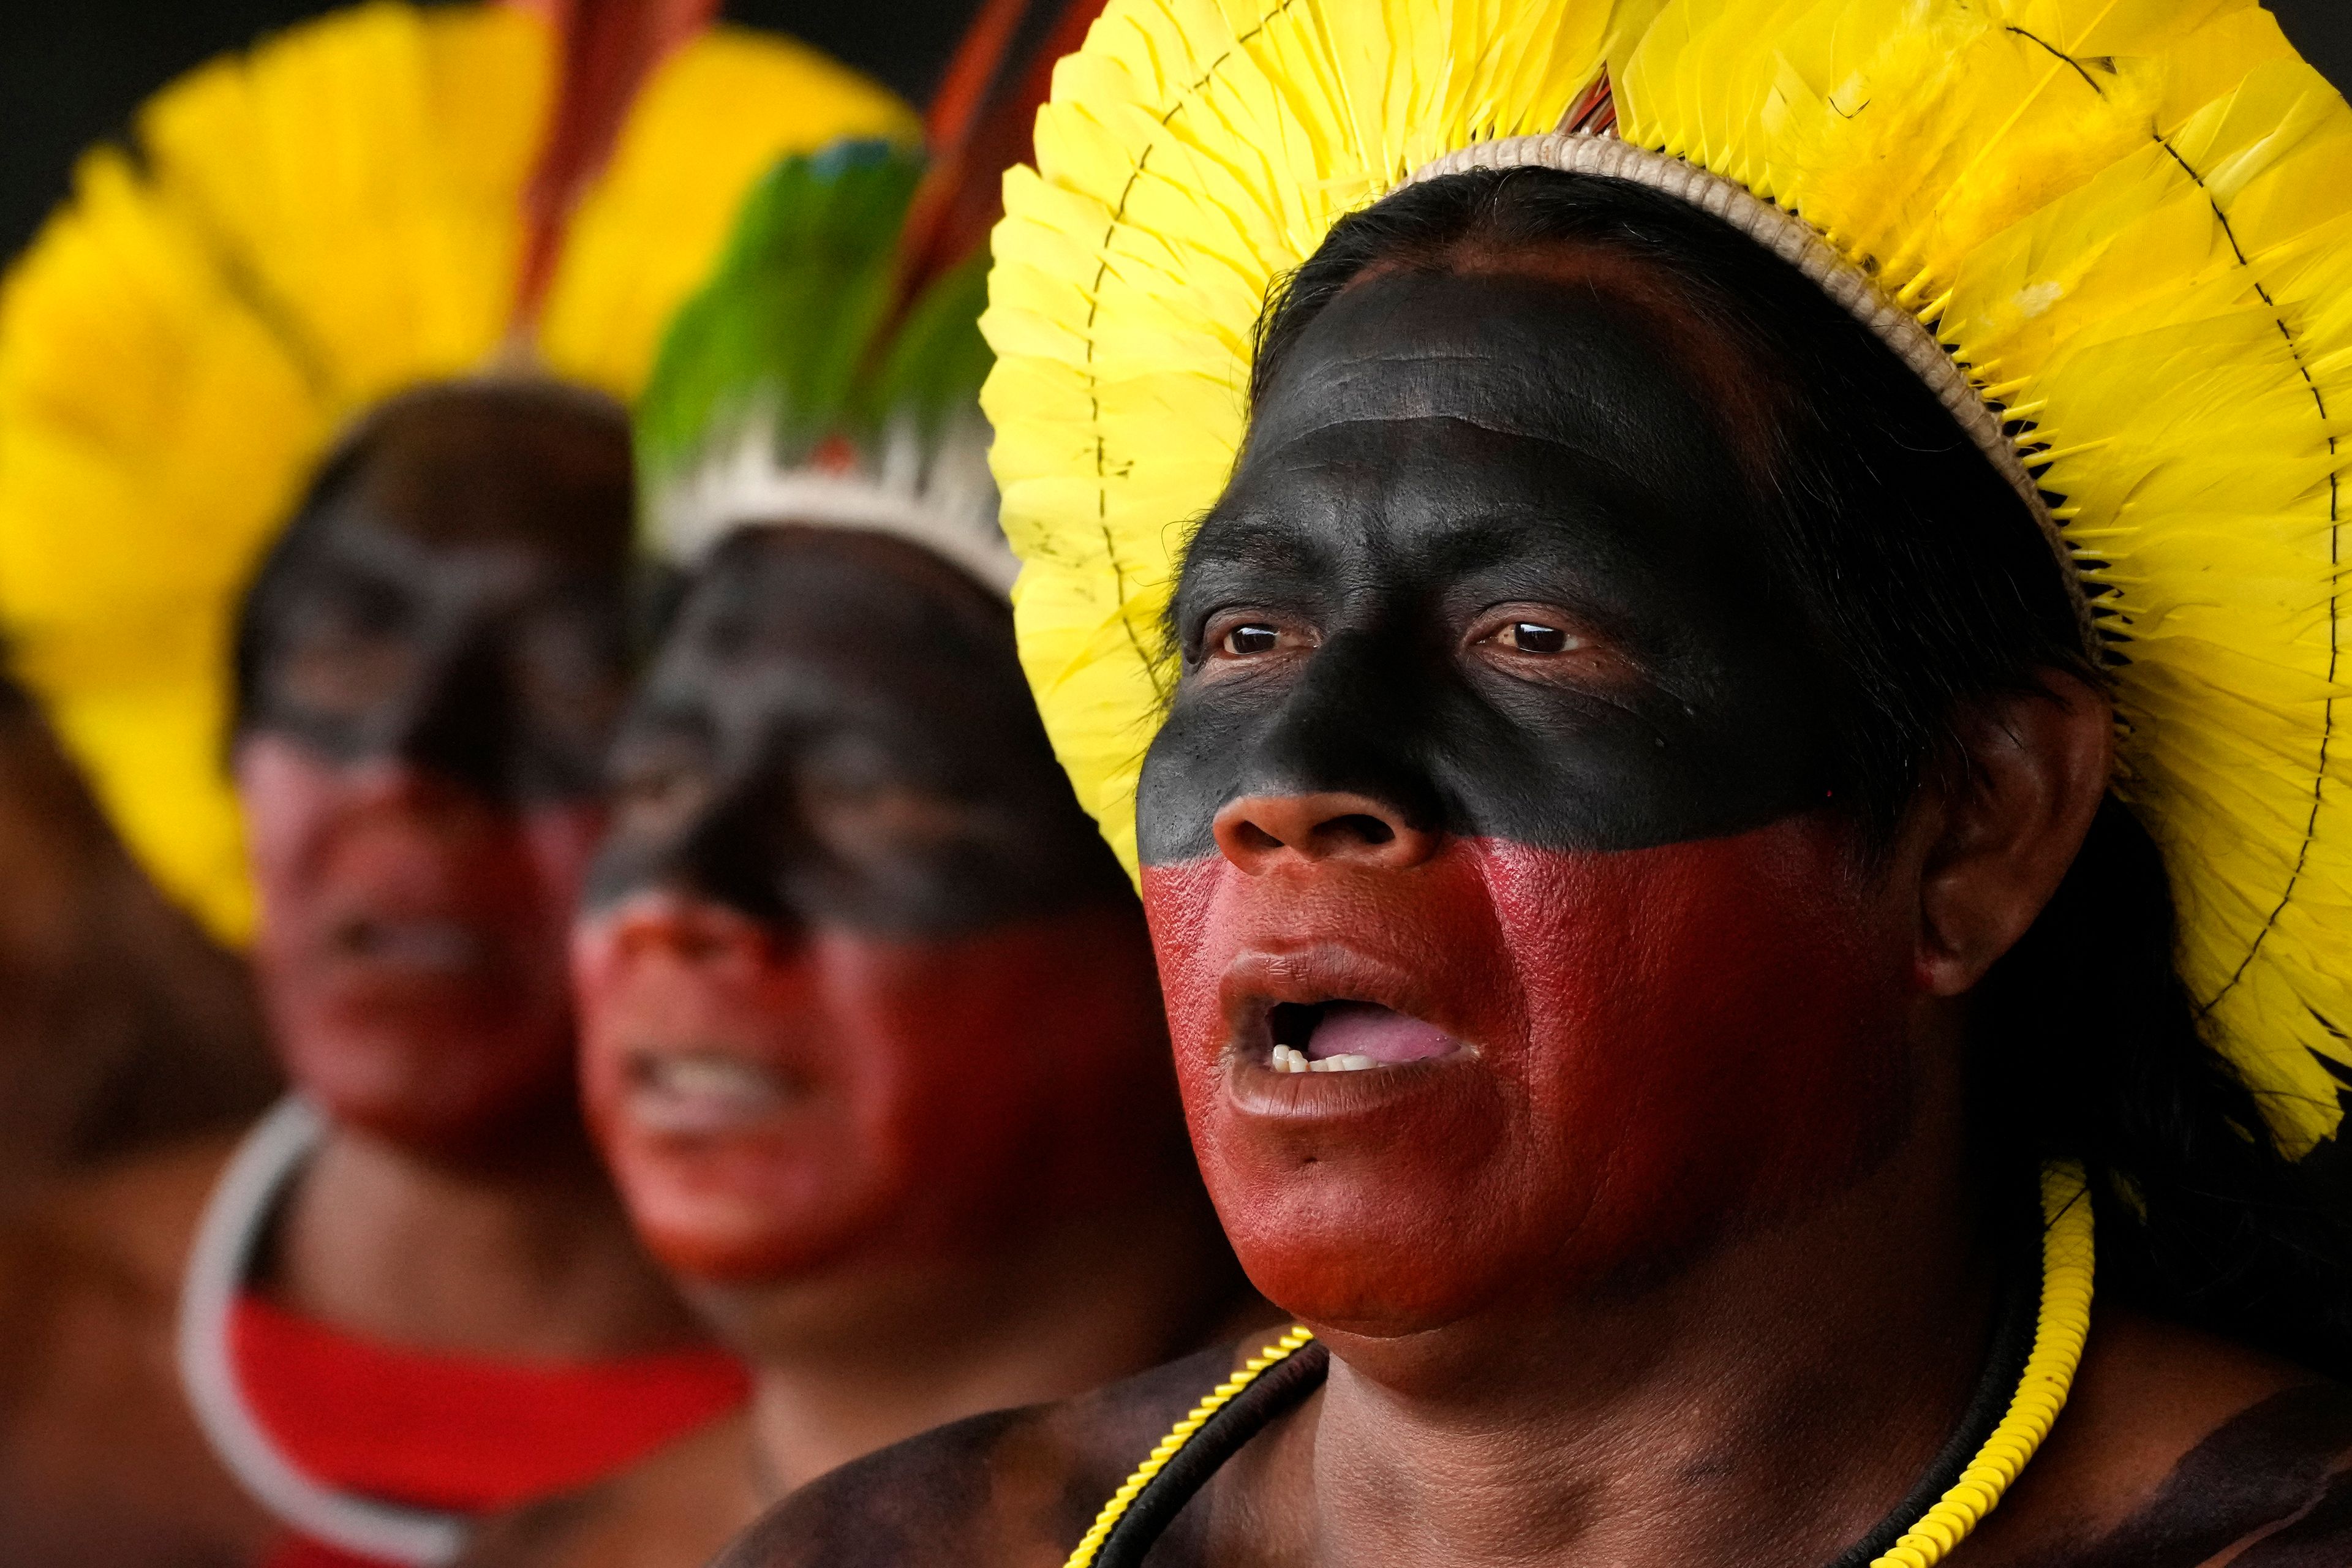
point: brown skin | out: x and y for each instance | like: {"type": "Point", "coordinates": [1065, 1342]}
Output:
{"type": "Point", "coordinates": [681, 1506]}
{"type": "Point", "coordinates": [127, 1026]}
{"type": "Point", "coordinates": [950, 1176]}
{"type": "Point", "coordinates": [1021, 1488]}
{"type": "Point", "coordinates": [88, 1385]}
{"type": "Point", "coordinates": [1757, 1380]}
{"type": "Point", "coordinates": [416, 671]}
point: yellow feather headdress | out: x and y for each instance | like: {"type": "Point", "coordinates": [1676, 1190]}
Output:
{"type": "Point", "coordinates": [303, 230]}
{"type": "Point", "coordinates": [2128, 223]}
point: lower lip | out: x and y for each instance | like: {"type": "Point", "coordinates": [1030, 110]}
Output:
{"type": "Point", "coordinates": [1257, 1087]}
{"type": "Point", "coordinates": [418, 947]}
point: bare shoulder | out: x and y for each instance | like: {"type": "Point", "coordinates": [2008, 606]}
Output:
{"type": "Point", "coordinates": [1012, 1490]}
{"type": "Point", "coordinates": [99, 1457]}
{"type": "Point", "coordinates": [134, 1216]}
{"type": "Point", "coordinates": [675, 1509]}
{"type": "Point", "coordinates": [89, 1276]}
{"type": "Point", "coordinates": [2176, 1448]}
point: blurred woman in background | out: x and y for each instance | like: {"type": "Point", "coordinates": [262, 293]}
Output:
{"type": "Point", "coordinates": [391, 276]}
{"type": "Point", "coordinates": [871, 1033]}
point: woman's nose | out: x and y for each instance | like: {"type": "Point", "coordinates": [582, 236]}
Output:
{"type": "Point", "coordinates": [1259, 832]}
{"type": "Point", "coordinates": [667, 921]}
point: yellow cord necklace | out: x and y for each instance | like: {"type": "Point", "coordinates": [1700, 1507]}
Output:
{"type": "Point", "coordinates": [2062, 1321]}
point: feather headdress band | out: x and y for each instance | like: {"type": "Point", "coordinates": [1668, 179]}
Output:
{"type": "Point", "coordinates": [2122, 231]}
{"type": "Point", "coordinates": [829, 372]}
{"type": "Point", "coordinates": [795, 387]}
{"type": "Point", "coordinates": [389, 195]}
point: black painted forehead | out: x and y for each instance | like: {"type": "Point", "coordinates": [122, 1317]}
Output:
{"type": "Point", "coordinates": [784, 626]}
{"type": "Point", "coordinates": [1440, 422]}
{"type": "Point", "coordinates": [1592, 357]}
{"type": "Point", "coordinates": [849, 594]}
{"type": "Point", "coordinates": [539, 470]}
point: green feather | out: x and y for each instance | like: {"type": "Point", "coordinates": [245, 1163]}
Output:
{"type": "Point", "coordinates": [784, 326]}
{"type": "Point", "coordinates": [932, 368]}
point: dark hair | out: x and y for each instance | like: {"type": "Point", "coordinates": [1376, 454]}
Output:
{"type": "Point", "coordinates": [471, 460]}
{"type": "Point", "coordinates": [1925, 582]}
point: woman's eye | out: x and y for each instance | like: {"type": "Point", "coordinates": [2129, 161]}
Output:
{"type": "Point", "coordinates": [659, 797]}
{"type": "Point", "coordinates": [1250, 638]}
{"type": "Point", "coordinates": [653, 792]}
{"type": "Point", "coordinates": [1534, 637]}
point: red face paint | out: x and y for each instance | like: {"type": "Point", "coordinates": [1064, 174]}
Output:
{"type": "Point", "coordinates": [1655, 1041]}
{"type": "Point", "coordinates": [772, 1104]}
{"type": "Point", "coordinates": [411, 940]}
{"type": "Point", "coordinates": [859, 980]}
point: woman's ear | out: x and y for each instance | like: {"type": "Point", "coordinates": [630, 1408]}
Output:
{"type": "Point", "coordinates": [2005, 828]}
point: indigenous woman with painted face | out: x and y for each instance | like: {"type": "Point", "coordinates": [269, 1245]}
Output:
{"type": "Point", "coordinates": [388, 277]}
{"type": "Point", "coordinates": [870, 1034]}
{"type": "Point", "coordinates": [871, 1037]}
{"type": "Point", "coordinates": [1726, 712]}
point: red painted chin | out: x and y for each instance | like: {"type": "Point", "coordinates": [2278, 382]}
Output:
{"type": "Point", "coordinates": [1650, 1044]}
{"type": "Point", "coordinates": [772, 1106]}
{"type": "Point", "coordinates": [411, 942]}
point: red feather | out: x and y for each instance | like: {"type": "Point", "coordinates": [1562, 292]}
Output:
{"type": "Point", "coordinates": [609, 48]}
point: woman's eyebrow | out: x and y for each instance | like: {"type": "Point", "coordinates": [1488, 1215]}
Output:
{"type": "Point", "coordinates": [1252, 536]}
{"type": "Point", "coordinates": [1264, 537]}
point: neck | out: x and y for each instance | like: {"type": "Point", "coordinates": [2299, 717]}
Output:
{"type": "Point", "coordinates": [863, 1357]}
{"type": "Point", "coordinates": [1768, 1405]}
{"type": "Point", "coordinates": [527, 1255]}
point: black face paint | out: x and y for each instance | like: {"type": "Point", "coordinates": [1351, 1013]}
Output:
{"type": "Point", "coordinates": [453, 595]}
{"type": "Point", "coordinates": [2321, 1538]}
{"type": "Point", "coordinates": [836, 732]}
{"type": "Point", "coordinates": [1488, 558]}
{"type": "Point", "coordinates": [2269, 1463]}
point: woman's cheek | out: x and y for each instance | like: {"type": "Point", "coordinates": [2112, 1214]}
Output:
{"type": "Point", "coordinates": [1673, 1037]}
{"type": "Point", "coordinates": [1717, 1028]}
{"type": "Point", "coordinates": [930, 1113]}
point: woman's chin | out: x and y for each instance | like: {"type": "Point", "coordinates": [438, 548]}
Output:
{"type": "Point", "coordinates": [1364, 1282]}
{"type": "Point", "coordinates": [730, 1216]}
{"type": "Point", "coordinates": [734, 1249]}
{"type": "Point", "coordinates": [427, 1098]}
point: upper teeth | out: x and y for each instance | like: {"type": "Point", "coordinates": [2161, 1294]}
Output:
{"type": "Point", "coordinates": [704, 1091]}
{"type": "Point", "coordinates": [711, 1075]}
{"type": "Point", "coordinates": [1289, 1058]}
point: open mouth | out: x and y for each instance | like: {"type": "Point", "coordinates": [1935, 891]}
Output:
{"type": "Point", "coordinates": [704, 1091]}
{"type": "Point", "coordinates": [1350, 1037]}
{"type": "Point", "coordinates": [434, 947]}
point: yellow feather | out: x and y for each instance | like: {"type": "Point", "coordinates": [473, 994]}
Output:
{"type": "Point", "coordinates": [714, 116]}
{"type": "Point", "coordinates": [314, 229]}
{"type": "Point", "coordinates": [318, 223]}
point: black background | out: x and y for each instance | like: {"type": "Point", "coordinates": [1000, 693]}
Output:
{"type": "Point", "coordinates": [72, 71]}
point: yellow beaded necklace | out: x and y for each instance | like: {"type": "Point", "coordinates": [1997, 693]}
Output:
{"type": "Point", "coordinates": [2060, 1324]}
